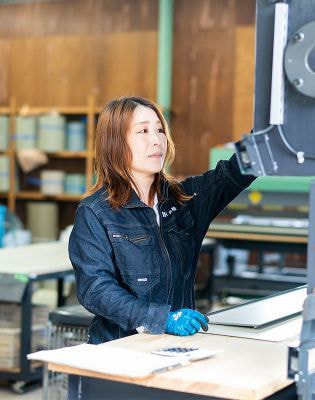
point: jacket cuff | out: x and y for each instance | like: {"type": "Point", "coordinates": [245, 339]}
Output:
{"type": "Point", "coordinates": [157, 317]}
{"type": "Point", "coordinates": [245, 180]}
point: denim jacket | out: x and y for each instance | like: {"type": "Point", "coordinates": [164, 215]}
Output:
{"type": "Point", "coordinates": [131, 272]}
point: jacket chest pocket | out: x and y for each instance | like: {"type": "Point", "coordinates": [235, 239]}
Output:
{"type": "Point", "coordinates": [181, 235]}
{"type": "Point", "coordinates": [136, 259]}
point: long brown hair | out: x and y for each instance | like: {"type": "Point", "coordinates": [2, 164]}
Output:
{"type": "Point", "coordinates": [113, 155]}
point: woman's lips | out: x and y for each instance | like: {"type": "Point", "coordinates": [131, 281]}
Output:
{"type": "Point", "coordinates": [156, 155]}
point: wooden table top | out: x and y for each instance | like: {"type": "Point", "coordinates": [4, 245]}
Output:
{"type": "Point", "coordinates": [246, 369]}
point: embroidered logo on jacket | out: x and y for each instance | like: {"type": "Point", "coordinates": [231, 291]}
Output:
{"type": "Point", "coordinates": [169, 212]}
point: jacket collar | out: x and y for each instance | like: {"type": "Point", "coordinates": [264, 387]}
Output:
{"type": "Point", "coordinates": [136, 202]}
{"type": "Point", "coordinates": [164, 189]}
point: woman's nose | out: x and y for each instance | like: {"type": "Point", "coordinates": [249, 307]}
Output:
{"type": "Point", "coordinates": [156, 139]}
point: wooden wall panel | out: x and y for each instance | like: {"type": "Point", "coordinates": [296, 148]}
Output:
{"type": "Point", "coordinates": [243, 104]}
{"type": "Point", "coordinates": [64, 70]}
{"type": "Point", "coordinates": [68, 17]}
{"type": "Point", "coordinates": [58, 52]}
{"type": "Point", "coordinates": [204, 77]}
{"type": "Point", "coordinates": [4, 72]}
{"type": "Point", "coordinates": [245, 12]}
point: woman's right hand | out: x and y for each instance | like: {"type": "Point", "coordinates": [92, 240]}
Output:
{"type": "Point", "coordinates": [185, 322]}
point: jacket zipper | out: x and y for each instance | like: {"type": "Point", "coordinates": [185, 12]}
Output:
{"type": "Point", "coordinates": [165, 248]}
{"type": "Point", "coordinates": [179, 255]}
{"type": "Point", "coordinates": [132, 240]}
{"type": "Point", "coordinates": [164, 245]}
{"type": "Point", "coordinates": [138, 239]}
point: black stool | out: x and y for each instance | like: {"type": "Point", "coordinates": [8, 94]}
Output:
{"type": "Point", "coordinates": [68, 326]}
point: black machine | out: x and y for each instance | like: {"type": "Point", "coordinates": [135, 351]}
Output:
{"type": "Point", "coordinates": [283, 139]}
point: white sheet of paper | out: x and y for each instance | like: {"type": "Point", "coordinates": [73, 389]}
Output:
{"type": "Point", "coordinates": [109, 360]}
{"type": "Point", "coordinates": [275, 333]}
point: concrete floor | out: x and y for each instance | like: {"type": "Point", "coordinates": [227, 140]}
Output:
{"type": "Point", "coordinates": [6, 393]}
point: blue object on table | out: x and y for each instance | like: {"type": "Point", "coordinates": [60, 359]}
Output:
{"type": "Point", "coordinates": [3, 211]}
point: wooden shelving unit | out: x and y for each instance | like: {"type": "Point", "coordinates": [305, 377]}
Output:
{"type": "Point", "coordinates": [5, 153]}
{"type": "Point", "coordinates": [40, 196]}
{"type": "Point", "coordinates": [90, 111]}
{"type": "Point", "coordinates": [5, 110]}
{"type": "Point", "coordinates": [68, 154]}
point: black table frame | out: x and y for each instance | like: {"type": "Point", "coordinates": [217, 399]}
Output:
{"type": "Point", "coordinates": [26, 374]}
{"type": "Point", "coordinates": [85, 388]}
{"type": "Point", "coordinates": [260, 282]}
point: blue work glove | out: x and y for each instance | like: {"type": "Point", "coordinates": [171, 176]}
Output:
{"type": "Point", "coordinates": [185, 322]}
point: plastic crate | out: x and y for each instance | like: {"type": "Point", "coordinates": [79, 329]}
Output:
{"type": "Point", "coordinates": [10, 332]}
{"type": "Point", "coordinates": [10, 344]}
{"type": "Point", "coordinates": [68, 326]}
{"type": "Point", "coordinates": [10, 315]}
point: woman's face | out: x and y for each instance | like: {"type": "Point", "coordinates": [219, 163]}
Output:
{"type": "Point", "coordinates": [147, 142]}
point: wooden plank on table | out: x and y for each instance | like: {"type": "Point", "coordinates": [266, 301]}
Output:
{"type": "Point", "coordinates": [246, 369]}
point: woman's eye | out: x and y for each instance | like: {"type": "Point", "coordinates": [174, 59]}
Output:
{"type": "Point", "coordinates": [144, 130]}
{"type": "Point", "coordinates": [161, 130]}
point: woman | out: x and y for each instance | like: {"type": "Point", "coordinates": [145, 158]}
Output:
{"type": "Point", "coordinates": [137, 236]}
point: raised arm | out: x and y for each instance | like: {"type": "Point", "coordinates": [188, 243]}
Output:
{"type": "Point", "coordinates": [214, 190]}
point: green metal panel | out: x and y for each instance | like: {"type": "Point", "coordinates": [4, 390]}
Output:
{"type": "Point", "coordinates": [165, 50]}
{"type": "Point", "coordinates": [292, 184]}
